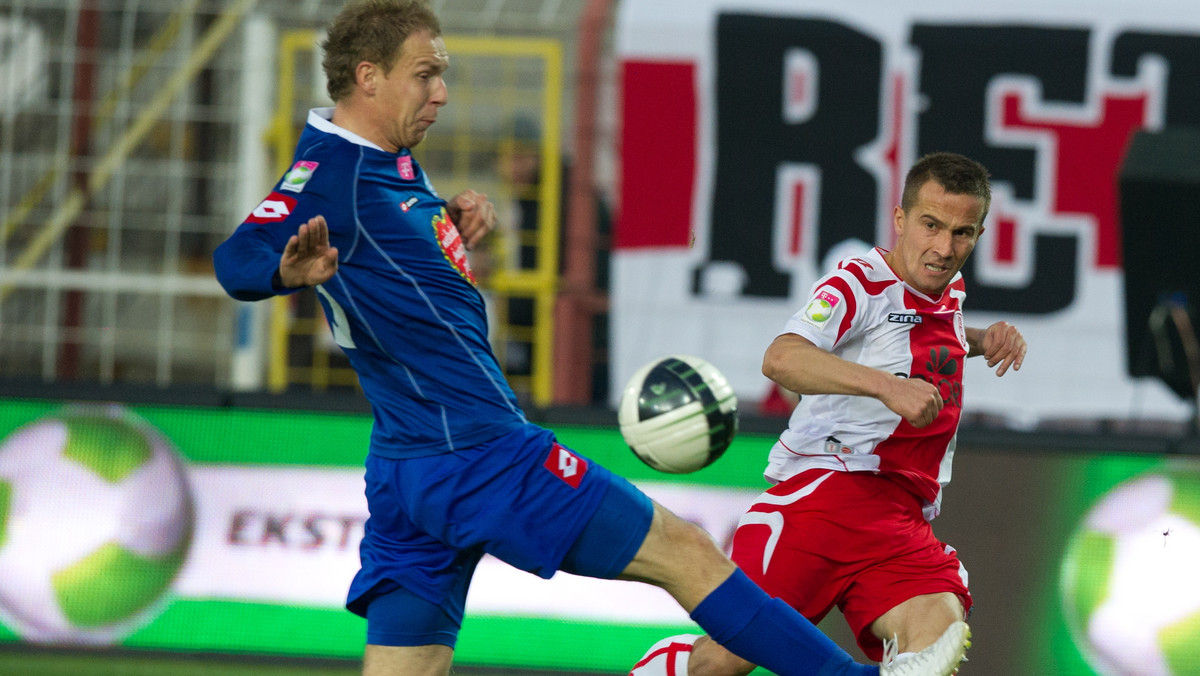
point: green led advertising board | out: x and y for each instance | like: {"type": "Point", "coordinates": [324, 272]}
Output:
{"type": "Point", "coordinates": [243, 532]}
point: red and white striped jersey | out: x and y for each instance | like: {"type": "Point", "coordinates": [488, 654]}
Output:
{"type": "Point", "coordinates": [863, 312]}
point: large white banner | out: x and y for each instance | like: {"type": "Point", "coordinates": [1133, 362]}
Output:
{"type": "Point", "coordinates": [760, 139]}
{"type": "Point", "coordinates": [291, 536]}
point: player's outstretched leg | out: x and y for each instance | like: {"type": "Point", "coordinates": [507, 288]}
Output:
{"type": "Point", "coordinates": [939, 659]}
{"type": "Point", "coordinates": [683, 559]}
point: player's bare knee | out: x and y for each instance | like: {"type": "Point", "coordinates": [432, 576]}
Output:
{"type": "Point", "coordinates": [919, 621]}
{"type": "Point", "coordinates": [674, 550]}
{"type": "Point", "coordinates": [687, 539]}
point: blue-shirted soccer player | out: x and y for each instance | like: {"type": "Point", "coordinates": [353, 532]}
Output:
{"type": "Point", "coordinates": [454, 470]}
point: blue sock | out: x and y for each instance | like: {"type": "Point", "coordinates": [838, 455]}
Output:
{"type": "Point", "coordinates": [740, 616]}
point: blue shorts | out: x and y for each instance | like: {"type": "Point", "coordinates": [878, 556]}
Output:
{"type": "Point", "coordinates": [432, 518]}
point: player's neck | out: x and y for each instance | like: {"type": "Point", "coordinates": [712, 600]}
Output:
{"type": "Point", "coordinates": [355, 119]}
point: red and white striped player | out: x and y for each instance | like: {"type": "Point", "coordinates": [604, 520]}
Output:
{"type": "Point", "coordinates": [877, 355]}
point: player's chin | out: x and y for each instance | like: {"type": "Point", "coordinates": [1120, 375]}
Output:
{"type": "Point", "coordinates": [415, 136]}
{"type": "Point", "coordinates": [936, 282]}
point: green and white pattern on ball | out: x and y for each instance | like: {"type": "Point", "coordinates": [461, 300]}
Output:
{"type": "Point", "coordinates": [95, 522]}
{"type": "Point", "coordinates": [1131, 578]}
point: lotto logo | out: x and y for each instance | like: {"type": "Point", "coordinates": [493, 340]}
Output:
{"type": "Point", "coordinates": [565, 465]}
{"type": "Point", "coordinates": [275, 207]}
{"type": "Point", "coordinates": [272, 209]}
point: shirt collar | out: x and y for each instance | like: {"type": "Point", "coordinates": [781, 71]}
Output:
{"type": "Point", "coordinates": [322, 120]}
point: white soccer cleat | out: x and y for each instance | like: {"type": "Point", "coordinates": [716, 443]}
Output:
{"type": "Point", "coordinates": [940, 659]}
{"type": "Point", "coordinates": [668, 657]}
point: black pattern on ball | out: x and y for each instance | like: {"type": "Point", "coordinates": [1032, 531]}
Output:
{"type": "Point", "coordinates": [664, 390]}
{"type": "Point", "coordinates": [673, 383]}
{"type": "Point", "coordinates": [720, 433]}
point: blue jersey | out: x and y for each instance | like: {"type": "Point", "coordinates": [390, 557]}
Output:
{"type": "Point", "coordinates": [403, 305]}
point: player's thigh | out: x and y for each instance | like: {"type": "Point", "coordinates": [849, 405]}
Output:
{"type": "Point", "coordinates": [788, 545]}
{"type": "Point", "coordinates": [425, 660]}
{"type": "Point", "coordinates": [680, 557]}
{"type": "Point", "coordinates": [911, 595]}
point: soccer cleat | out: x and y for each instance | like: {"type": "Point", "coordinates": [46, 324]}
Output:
{"type": "Point", "coordinates": [940, 659]}
{"type": "Point", "coordinates": [668, 657]}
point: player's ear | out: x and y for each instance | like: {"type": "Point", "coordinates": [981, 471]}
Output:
{"type": "Point", "coordinates": [898, 219]}
{"type": "Point", "coordinates": [364, 75]}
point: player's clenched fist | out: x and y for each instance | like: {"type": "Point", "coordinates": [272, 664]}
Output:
{"type": "Point", "coordinates": [913, 399]}
{"type": "Point", "coordinates": [474, 216]}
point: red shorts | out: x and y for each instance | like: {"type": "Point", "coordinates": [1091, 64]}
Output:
{"type": "Point", "coordinates": [854, 539]}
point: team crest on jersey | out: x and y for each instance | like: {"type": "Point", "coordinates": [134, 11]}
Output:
{"type": "Point", "coordinates": [820, 309]}
{"type": "Point", "coordinates": [298, 176]}
{"type": "Point", "coordinates": [452, 245]}
{"type": "Point", "coordinates": [960, 330]}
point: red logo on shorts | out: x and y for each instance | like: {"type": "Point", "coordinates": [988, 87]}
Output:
{"type": "Point", "coordinates": [565, 465]}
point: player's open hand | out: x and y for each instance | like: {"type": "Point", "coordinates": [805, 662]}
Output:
{"type": "Point", "coordinates": [915, 400]}
{"type": "Point", "coordinates": [473, 215]}
{"type": "Point", "coordinates": [307, 258]}
{"type": "Point", "coordinates": [1003, 344]}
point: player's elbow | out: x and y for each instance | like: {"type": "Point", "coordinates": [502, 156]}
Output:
{"type": "Point", "coordinates": [233, 275]}
{"type": "Point", "coordinates": [785, 362]}
{"type": "Point", "coordinates": [774, 364]}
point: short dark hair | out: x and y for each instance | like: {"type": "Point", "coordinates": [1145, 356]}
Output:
{"type": "Point", "coordinates": [955, 173]}
{"type": "Point", "coordinates": [374, 31]}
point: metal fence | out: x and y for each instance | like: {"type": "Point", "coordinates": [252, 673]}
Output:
{"type": "Point", "coordinates": [133, 138]}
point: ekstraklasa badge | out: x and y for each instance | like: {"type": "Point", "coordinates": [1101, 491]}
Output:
{"type": "Point", "coordinates": [298, 176]}
{"type": "Point", "coordinates": [820, 309]}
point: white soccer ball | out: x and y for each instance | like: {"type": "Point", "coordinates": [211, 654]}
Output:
{"type": "Point", "coordinates": [1129, 578]}
{"type": "Point", "coordinates": [95, 522]}
{"type": "Point", "coordinates": [678, 414]}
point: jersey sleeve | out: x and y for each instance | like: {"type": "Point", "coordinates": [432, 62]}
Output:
{"type": "Point", "coordinates": [829, 317]}
{"type": "Point", "coordinates": [247, 263]}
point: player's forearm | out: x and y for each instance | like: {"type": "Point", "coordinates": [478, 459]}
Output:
{"type": "Point", "coordinates": [246, 268]}
{"type": "Point", "coordinates": [799, 366]}
{"type": "Point", "coordinates": [974, 341]}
